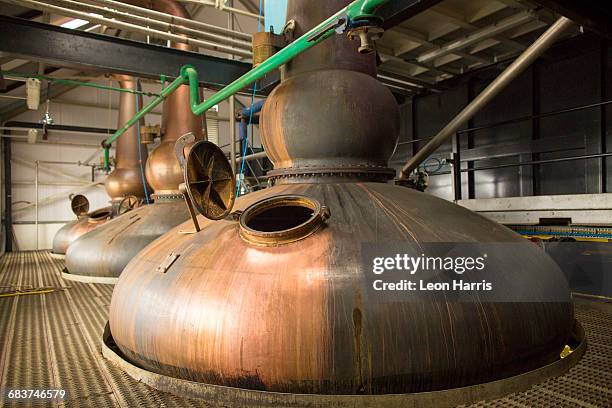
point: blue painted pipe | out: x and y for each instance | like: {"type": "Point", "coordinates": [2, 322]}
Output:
{"type": "Point", "coordinates": [256, 107]}
{"type": "Point", "coordinates": [244, 115]}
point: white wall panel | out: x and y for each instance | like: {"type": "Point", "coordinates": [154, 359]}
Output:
{"type": "Point", "coordinates": [66, 111]}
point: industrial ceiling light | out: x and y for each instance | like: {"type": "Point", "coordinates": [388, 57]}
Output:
{"type": "Point", "coordinates": [74, 23]}
{"type": "Point", "coordinates": [47, 118]}
{"type": "Point", "coordinates": [33, 93]}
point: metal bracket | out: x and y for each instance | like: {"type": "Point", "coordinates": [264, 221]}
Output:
{"type": "Point", "coordinates": [288, 31]}
{"type": "Point", "coordinates": [167, 263]}
{"type": "Point", "coordinates": [194, 218]}
{"type": "Point", "coordinates": [338, 25]}
{"type": "Point", "coordinates": [179, 147]}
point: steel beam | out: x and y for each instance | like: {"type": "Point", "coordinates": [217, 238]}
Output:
{"type": "Point", "coordinates": [397, 11]}
{"type": "Point", "coordinates": [87, 51]}
{"type": "Point", "coordinates": [596, 15]}
{"type": "Point", "coordinates": [494, 88]}
{"type": "Point", "coordinates": [421, 39]}
{"type": "Point", "coordinates": [477, 36]}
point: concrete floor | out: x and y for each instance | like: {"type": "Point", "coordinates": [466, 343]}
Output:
{"type": "Point", "coordinates": [52, 341]}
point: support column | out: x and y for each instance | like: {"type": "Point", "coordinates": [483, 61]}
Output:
{"type": "Point", "coordinates": [8, 193]}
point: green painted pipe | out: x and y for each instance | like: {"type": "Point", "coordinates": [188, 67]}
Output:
{"type": "Point", "coordinates": [148, 108]}
{"type": "Point", "coordinates": [106, 158]}
{"type": "Point", "coordinates": [363, 9]}
{"type": "Point", "coordinates": [357, 10]}
{"type": "Point", "coordinates": [73, 82]}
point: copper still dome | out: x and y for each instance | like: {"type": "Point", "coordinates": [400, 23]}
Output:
{"type": "Point", "coordinates": [105, 251]}
{"type": "Point", "coordinates": [74, 229]}
{"type": "Point", "coordinates": [276, 301]}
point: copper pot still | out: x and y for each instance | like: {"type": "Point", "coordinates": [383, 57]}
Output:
{"type": "Point", "coordinates": [276, 302]}
{"type": "Point", "coordinates": [126, 180]}
{"type": "Point", "coordinates": [107, 250]}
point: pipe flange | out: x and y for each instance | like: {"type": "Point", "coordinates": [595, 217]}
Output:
{"type": "Point", "coordinates": [166, 197]}
{"type": "Point", "coordinates": [370, 172]}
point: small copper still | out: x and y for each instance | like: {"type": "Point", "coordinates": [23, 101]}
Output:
{"type": "Point", "coordinates": [124, 185]}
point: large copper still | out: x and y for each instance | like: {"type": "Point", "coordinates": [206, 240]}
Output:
{"type": "Point", "coordinates": [126, 180]}
{"type": "Point", "coordinates": [105, 251]}
{"type": "Point", "coordinates": [275, 302]}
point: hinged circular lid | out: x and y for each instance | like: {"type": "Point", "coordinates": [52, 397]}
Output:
{"type": "Point", "coordinates": [79, 204]}
{"type": "Point", "coordinates": [209, 180]}
{"type": "Point", "coordinates": [128, 203]}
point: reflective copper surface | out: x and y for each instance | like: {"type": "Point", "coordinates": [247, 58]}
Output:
{"type": "Point", "coordinates": [106, 251]}
{"type": "Point", "coordinates": [127, 178]}
{"type": "Point", "coordinates": [74, 229]}
{"type": "Point", "coordinates": [163, 170]}
{"type": "Point", "coordinates": [294, 317]}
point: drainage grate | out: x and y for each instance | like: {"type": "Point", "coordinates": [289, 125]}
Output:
{"type": "Point", "coordinates": [53, 341]}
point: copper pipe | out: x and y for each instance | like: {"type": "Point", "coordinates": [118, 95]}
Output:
{"type": "Point", "coordinates": [127, 178]}
{"type": "Point", "coordinates": [163, 170]}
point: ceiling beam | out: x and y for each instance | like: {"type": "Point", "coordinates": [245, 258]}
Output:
{"type": "Point", "coordinates": [485, 33]}
{"type": "Point", "coordinates": [421, 39]}
{"type": "Point", "coordinates": [100, 53]}
{"type": "Point", "coordinates": [415, 67]}
{"type": "Point", "coordinates": [395, 12]}
{"type": "Point", "coordinates": [516, 4]}
{"type": "Point", "coordinates": [596, 15]}
{"type": "Point", "coordinates": [460, 22]}
{"type": "Point", "coordinates": [417, 81]}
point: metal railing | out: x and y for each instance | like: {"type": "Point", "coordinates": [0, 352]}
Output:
{"type": "Point", "coordinates": [455, 160]}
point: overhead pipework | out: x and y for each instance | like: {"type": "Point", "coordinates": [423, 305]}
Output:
{"type": "Point", "coordinates": [235, 309]}
{"type": "Point", "coordinates": [358, 15]}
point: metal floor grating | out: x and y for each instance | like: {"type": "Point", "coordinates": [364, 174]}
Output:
{"type": "Point", "coordinates": [52, 341]}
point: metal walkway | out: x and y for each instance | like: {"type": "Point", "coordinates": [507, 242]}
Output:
{"type": "Point", "coordinates": [52, 341]}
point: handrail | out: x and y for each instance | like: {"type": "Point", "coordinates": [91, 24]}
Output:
{"type": "Point", "coordinates": [355, 11]}
{"type": "Point", "coordinates": [538, 116]}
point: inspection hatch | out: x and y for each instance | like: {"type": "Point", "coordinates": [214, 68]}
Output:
{"type": "Point", "coordinates": [282, 220]}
